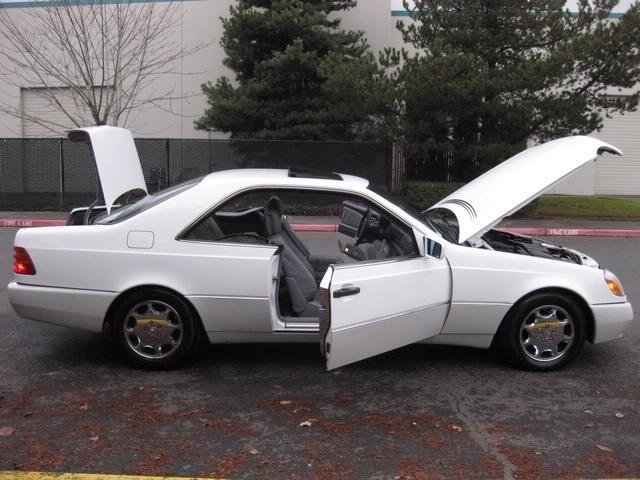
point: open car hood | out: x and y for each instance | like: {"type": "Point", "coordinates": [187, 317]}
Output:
{"type": "Point", "coordinates": [116, 157]}
{"type": "Point", "coordinates": [484, 202]}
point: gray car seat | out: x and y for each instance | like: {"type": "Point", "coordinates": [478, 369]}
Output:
{"type": "Point", "coordinates": [207, 230]}
{"type": "Point", "coordinates": [298, 273]}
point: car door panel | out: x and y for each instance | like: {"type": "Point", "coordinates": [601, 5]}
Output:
{"type": "Point", "coordinates": [381, 306]}
{"type": "Point", "coordinates": [231, 286]}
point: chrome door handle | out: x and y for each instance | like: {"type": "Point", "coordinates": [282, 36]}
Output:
{"type": "Point", "coordinates": [346, 291]}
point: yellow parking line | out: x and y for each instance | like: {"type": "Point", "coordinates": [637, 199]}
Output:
{"type": "Point", "coordinates": [7, 475]}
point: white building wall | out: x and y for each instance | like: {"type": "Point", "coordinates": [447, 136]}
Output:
{"type": "Point", "coordinates": [614, 174]}
{"type": "Point", "coordinates": [581, 182]}
{"type": "Point", "coordinates": [610, 174]}
{"type": "Point", "coordinates": [201, 25]}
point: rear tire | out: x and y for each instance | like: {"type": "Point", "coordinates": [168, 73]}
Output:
{"type": "Point", "coordinates": [155, 329]}
{"type": "Point", "coordinates": [543, 332]}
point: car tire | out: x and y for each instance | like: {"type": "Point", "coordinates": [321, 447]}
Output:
{"type": "Point", "coordinates": [155, 329]}
{"type": "Point", "coordinates": [543, 332]}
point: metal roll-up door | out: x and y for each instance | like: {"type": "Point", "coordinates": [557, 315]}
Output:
{"type": "Point", "coordinates": [37, 105]}
{"type": "Point", "coordinates": [616, 175]}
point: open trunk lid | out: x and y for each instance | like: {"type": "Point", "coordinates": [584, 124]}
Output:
{"type": "Point", "coordinates": [116, 158]}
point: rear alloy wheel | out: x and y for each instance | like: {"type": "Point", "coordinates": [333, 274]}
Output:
{"type": "Point", "coordinates": [155, 329]}
{"type": "Point", "coordinates": [543, 332]}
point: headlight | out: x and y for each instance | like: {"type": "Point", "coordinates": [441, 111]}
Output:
{"type": "Point", "coordinates": [613, 283]}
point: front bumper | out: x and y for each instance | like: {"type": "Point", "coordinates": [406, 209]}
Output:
{"type": "Point", "coordinates": [83, 309]}
{"type": "Point", "coordinates": [611, 320]}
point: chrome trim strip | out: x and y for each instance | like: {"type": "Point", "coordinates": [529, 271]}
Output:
{"type": "Point", "coordinates": [301, 327]}
{"type": "Point", "coordinates": [231, 244]}
{"type": "Point", "coordinates": [364, 263]}
{"type": "Point", "coordinates": [33, 285]}
{"type": "Point", "coordinates": [482, 303]}
{"type": "Point", "coordinates": [301, 332]}
{"type": "Point", "coordinates": [226, 297]}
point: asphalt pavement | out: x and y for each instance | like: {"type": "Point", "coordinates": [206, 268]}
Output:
{"type": "Point", "coordinates": [67, 403]}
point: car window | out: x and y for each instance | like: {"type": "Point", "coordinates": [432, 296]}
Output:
{"type": "Point", "coordinates": [346, 226]}
{"type": "Point", "coordinates": [120, 214]}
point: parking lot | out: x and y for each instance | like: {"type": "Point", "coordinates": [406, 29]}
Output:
{"type": "Point", "coordinates": [272, 411]}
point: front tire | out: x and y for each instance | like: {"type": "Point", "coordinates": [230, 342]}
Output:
{"type": "Point", "coordinates": [543, 332]}
{"type": "Point", "coordinates": [155, 329]}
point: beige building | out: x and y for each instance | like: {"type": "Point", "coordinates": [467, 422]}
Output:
{"type": "Point", "coordinates": [201, 26]}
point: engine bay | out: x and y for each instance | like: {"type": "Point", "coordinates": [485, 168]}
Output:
{"type": "Point", "coordinates": [512, 243]}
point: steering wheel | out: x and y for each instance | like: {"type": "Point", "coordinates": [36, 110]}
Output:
{"type": "Point", "coordinates": [363, 224]}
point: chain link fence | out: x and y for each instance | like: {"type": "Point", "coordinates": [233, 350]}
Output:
{"type": "Point", "coordinates": [56, 174]}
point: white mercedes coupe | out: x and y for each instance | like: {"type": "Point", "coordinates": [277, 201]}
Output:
{"type": "Point", "coordinates": [217, 258]}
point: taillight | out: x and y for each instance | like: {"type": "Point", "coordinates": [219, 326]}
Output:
{"type": "Point", "coordinates": [22, 263]}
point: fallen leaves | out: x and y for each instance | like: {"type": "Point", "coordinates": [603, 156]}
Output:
{"type": "Point", "coordinates": [306, 423]}
{"type": "Point", "coordinates": [6, 431]}
{"type": "Point", "coordinates": [603, 448]}
{"type": "Point", "coordinates": [619, 415]}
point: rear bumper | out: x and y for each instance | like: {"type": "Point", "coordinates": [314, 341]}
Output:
{"type": "Point", "coordinates": [82, 309]}
{"type": "Point", "coordinates": [611, 320]}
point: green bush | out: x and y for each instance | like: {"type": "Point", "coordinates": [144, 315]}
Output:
{"type": "Point", "coordinates": [423, 194]}
{"type": "Point", "coordinates": [529, 210]}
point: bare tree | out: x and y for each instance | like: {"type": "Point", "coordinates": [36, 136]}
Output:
{"type": "Point", "coordinates": [93, 62]}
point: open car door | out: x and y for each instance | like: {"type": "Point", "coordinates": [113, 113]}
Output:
{"type": "Point", "coordinates": [374, 307]}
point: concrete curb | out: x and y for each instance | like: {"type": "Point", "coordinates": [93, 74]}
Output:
{"type": "Point", "coordinates": [303, 227]}
{"type": "Point", "coordinates": [574, 232]}
{"type": "Point", "coordinates": [29, 222]}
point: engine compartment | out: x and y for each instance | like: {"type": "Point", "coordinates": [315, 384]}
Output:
{"type": "Point", "coordinates": [519, 244]}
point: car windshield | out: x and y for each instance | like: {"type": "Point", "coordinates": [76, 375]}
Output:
{"type": "Point", "coordinates": [444, 222]}
{"type": "Point", "coordinates": [147, 202]}
{"type": "Point", "coordinates": [439, 220]}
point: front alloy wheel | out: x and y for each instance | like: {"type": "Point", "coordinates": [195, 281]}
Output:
{"type": "Point", "coordinates": [547, 333]}
{"type": "Point", "coordinates": [543, 332]}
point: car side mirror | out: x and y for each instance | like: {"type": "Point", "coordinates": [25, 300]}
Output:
{"type": "Point", "coordinates": [432, 248]}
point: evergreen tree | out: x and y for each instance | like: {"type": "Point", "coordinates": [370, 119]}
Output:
{"type": "Point", "coordinates": [297, 74]}
{"type": "Point", "coordinates": [487, 76]}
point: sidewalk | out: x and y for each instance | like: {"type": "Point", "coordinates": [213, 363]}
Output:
{"type": "Point", "coordinates": [525, 226]}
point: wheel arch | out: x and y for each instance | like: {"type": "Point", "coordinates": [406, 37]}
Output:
{"type": "Point", "coordinates": [124, 294]}
{"type": "Point", "coordinates": [573, 295]}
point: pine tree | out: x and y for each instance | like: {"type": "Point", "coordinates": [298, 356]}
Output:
{"type": "Point", "coordinates": [487, 76]}
{"type": "Point", "coordinates": [297, 74]}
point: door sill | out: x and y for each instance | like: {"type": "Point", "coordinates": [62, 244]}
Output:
{"type": "Point", "coordinates": [306, 327]}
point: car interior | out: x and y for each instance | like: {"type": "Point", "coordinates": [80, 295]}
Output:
{"type": "Point", "coordinates": [363, 233]}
